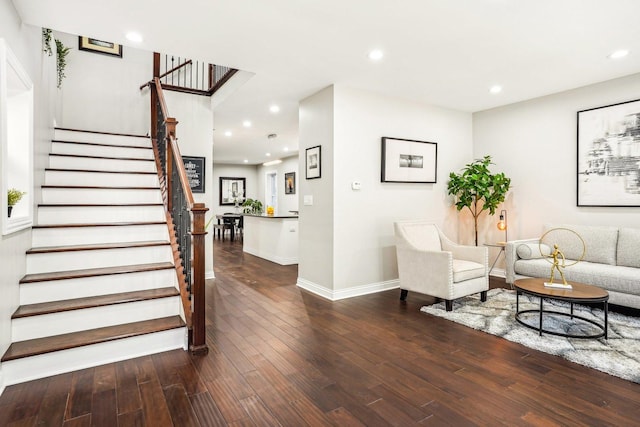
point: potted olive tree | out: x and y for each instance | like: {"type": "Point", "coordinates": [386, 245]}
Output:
{"type": "Point", "coordinates": [13, 197]}
{"type": "Point", "coordinates": [478, 190]}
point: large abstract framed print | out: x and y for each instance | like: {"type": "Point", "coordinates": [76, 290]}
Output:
{"type": "Point", "coordinates": [407, 160]}
{"type": "Point", "coordinates": [608, 168]}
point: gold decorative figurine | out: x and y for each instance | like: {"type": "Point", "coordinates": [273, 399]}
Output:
{"type": "Point", "coordinates": [559, 260]}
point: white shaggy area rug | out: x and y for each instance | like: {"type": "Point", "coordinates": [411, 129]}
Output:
{"type": "Point", "coordinates": [619, 355]}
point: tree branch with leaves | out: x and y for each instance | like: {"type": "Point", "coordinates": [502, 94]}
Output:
{"type": "Point", "coordinates": [477, 189]}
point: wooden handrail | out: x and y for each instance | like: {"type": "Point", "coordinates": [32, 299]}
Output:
{"type": "Point", "coordinates": [185, 236]}
{"type": "Point", "coordinates": [163, 104]}
{"type": "Point", "coordinates": [182, 172]}
{"type": "Point", "coordinates": [174, 69]}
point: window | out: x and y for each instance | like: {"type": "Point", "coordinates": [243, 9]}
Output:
{"type": "Point", "coordinates": [16, 140]}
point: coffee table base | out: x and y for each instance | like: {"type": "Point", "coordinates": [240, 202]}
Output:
{"type": "Point", "coordinates": [603, 328]}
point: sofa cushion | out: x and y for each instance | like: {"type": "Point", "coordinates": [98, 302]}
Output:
{"type": "Point", "coordinates": [609, 277]}
{"type": "Point", "coordinates": [532, 250]}
{"type": "Point", "coordinates": [600, 242]}
{"type": "Point", "coordinates": [629, 247]}
{"type": "Point", "coordinates": [465, 270]}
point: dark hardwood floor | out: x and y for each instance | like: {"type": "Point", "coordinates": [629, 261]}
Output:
{"type": "Point", "coordinates": [282, 356]}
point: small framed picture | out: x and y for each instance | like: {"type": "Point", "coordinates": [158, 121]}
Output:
{"type": "Point", "coordinates": [195, 168]}
{"type": "Point", "coordinates": [290, 183]}
{"type": "Point", "coordinates": [407, 160]}
{"type": "Point", "coordinates": [313, 163]}
{"type": "Point", "coordinates": [99, 46]}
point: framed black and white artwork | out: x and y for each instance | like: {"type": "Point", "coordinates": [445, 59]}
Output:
{"type": "Point", "coordinates": [313, 162]}
{"type": "Point", "coordinates": [408, 160]}
{"type": "Point", "coordinates": [608, 169]}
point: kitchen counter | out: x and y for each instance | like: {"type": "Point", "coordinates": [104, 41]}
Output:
{"type": "Point", "coordinates": [272, 237]}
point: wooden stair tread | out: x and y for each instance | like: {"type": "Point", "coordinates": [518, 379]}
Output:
{"type": "Point", "coordinates": [90, 302]}
{"type": "Point", "coordinates": [84, 156]}
{"type": "Point", "coordinates": [84, 205]}
{"type": "Point", "coordinates": [97, 246]}
{"type": "Point", "coordinates": [98, 187]}
{"type": "Point", "coordinates": [99, 224]}
{"type": "Point", "coordinates": [97, 144]}
{"type": "Point", "coordinates": [90, 272]}
{"type": "Point", "coordinates": [100, 171]}
{"type": "Point", "coordinates": [103, 133]}
{"type": "Point", "coordinates": [38, 346]}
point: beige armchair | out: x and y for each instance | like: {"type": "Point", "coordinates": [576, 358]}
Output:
{"type": "Point", "coordinates": [431, 264]}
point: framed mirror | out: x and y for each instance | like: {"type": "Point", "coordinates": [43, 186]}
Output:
{"type": "Point", "coordinates": [232, 190]}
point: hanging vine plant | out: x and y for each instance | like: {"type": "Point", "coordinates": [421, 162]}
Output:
{"type": "Point", "coordinates": [46, 41]}
{"type": "Point", "coordinates": [62, 52]}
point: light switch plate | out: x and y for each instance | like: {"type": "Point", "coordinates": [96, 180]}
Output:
{"type": "Point", "coordinates": [308, 200]}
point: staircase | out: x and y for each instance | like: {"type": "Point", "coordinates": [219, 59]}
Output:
{"type": "Point", "coordinates": [101, 283]}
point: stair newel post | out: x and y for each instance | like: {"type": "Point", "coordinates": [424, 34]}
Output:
{"type": "Point", "coordinates": [170, 125]}
{"type": "Point", "coordinates": [198, 232]}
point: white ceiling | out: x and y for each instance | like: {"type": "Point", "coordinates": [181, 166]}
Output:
{"type": "Point", "coordinates": [439, 52]}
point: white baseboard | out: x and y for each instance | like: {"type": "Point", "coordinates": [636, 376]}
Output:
{"type": "Point", "coordinates": [351, 292]}
{"type": "Point", "coordinates": [2, 384]}
{"type": "Point", "coordinates": [270, 256]}
{"type": "Point", "coordinates": [499, 272]}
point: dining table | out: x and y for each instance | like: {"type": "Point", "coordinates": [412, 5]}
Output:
{"type": "Point", "coordinates": [231, 219]}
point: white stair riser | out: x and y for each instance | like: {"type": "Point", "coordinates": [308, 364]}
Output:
{"type": "Point", "coordinates": [57, 290]}
{"type": "Point", "coordinates": [99, 214]}
{"type": "Point", "coordinates": [78, 260]}
{"type": "Point", "coordinates": [89, 235]}
{"type": "Point", "coordinates": [101, 179]}
{"type": "Point", "coordinates": [99, 195]}
{"type": "Point", "coordinates": [45, 365]}
{"type": "Point", "coordinates": [65, 135]}
{"type": "Point", "coordinates": [87, 163]}
{"type": "Point", "coordinates": [100, 150]}
{"type": "Point", "coordinates": [46, 325]}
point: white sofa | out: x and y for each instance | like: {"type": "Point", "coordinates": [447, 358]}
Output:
{"type": "Point", "coordinates": [611, 261]}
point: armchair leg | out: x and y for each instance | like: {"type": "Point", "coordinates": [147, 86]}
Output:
{"type": "Point", "coordinates": [403, 294]}
{"type": "Point", "coordinates": [483, 296]}
{"type": "Point", "coordinates": [448, 304]}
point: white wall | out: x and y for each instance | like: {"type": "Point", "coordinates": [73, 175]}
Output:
{"type": "Point", "coordinates": [102, 92]}
{"type": "Point", "coordinates": [286, 202]}
{"type": "Point", "coordinates": [26, 43]}
{"type": "Point", "coordinates": [364, 242]}
{"type": "Point", "coordinates": [347, 241]}
{"type": "Point", "coordinates": [315, 258]}
{"type": "Point", "coordinates": [534, 143]}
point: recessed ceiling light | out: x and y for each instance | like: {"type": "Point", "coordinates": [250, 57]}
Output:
{"type": "Point", "coordinates": [286, 148]}
{"type": "Point", "coordinates": [619, 54]}
{"type": "Point", "coordinates": [495, 89]}
{"type": "Point", "coordinates": [268, 154]}
{"type": "Point", "coordinates": [274, 108]}
{"type": "Point", "coordinates": [228, 133]}
{"type": "Point", "coordinates": [272, 162]}
{"type": "Point", "coordinates": [246, 160]}
{"type": "Point", "coordinates": [134, 37]}
{"type": "Point", "coordinates": [246, 123]}
{"type": "Point", "coordinates": [376, 55]}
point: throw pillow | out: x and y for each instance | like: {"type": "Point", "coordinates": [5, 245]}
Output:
{"type": "Point", "coordinates": [532, 250]}
{"type": "Point", "coordinates": [629, 247]}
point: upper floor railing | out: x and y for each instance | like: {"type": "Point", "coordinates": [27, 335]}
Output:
{"type": "Point", "coordinates": [186, 75]}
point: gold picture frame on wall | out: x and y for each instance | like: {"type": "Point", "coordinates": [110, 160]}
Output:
{"type": "Point", "coordinates": [99, 46]}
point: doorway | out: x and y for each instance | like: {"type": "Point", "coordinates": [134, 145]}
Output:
{"type": "Point", "coordinates": [271, 190]}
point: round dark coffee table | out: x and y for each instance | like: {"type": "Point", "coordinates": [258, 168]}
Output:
{"type": "Point", "coordinates": [580, 294]}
